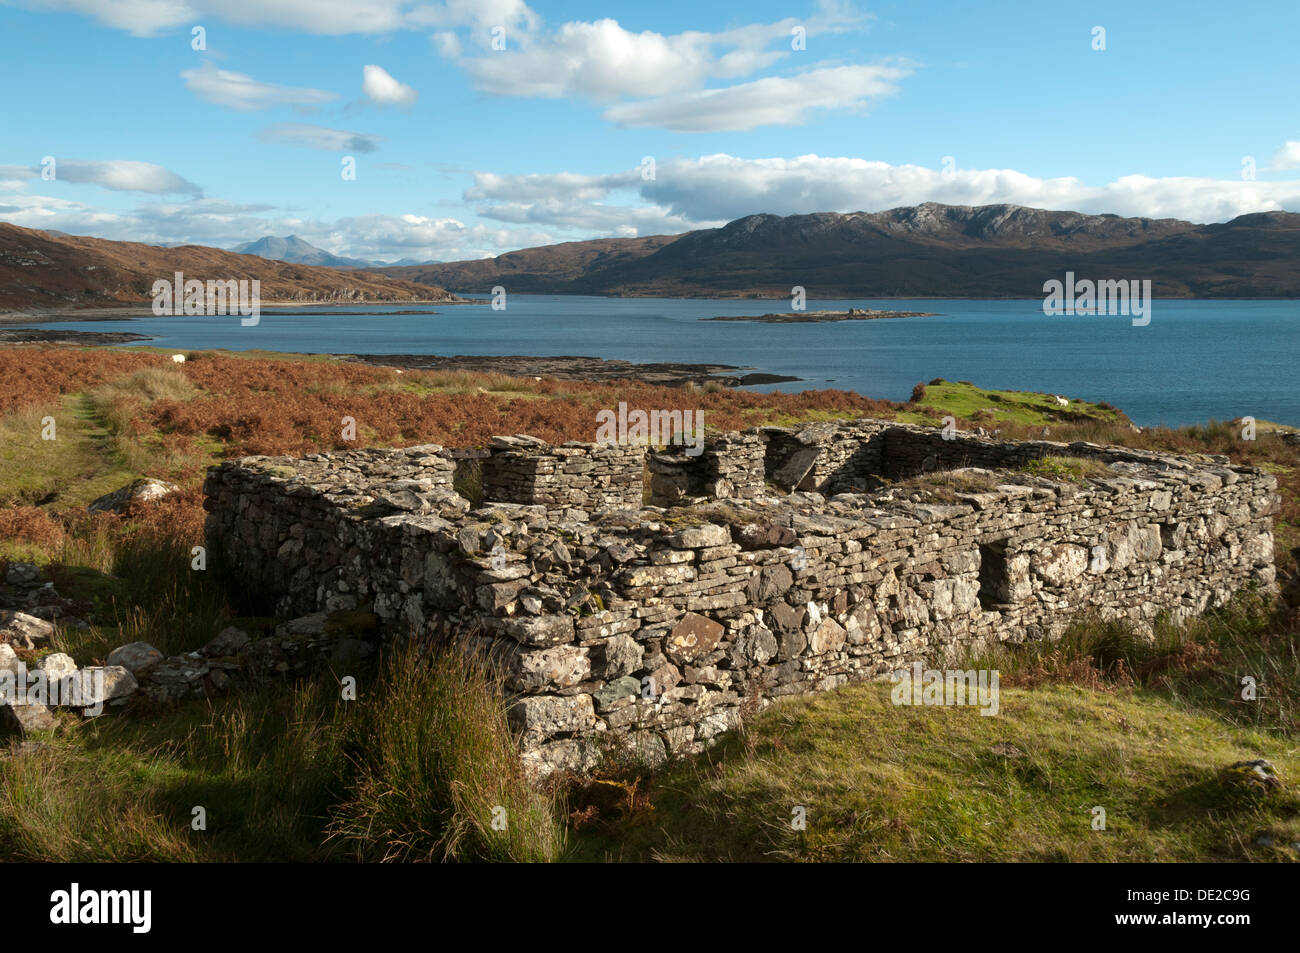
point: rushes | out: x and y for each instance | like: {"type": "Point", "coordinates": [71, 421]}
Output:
{"type": "Point", "coordinates": [440, 778]}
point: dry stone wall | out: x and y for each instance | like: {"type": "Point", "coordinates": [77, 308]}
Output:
{"type": "Point", "coordinates": [649, 628]}
{"type": "Point", "coordinates": [578, 476]}
{"type": "Point", "coordinates": [729, 466]}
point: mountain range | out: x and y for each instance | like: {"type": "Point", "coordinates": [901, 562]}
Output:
{"type": "Point", "coordinates": [923, 251]}
{"type": "Point", "coordinates": [40, 270]}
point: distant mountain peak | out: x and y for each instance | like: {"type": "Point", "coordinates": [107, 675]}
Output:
{"type": "Point", "coordinates": [296, 251]}
{"type": "Point", "coordinates": [299, 251]}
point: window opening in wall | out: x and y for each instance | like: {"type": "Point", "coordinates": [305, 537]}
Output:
{"type": "Point", "coordinates": [994, 584]}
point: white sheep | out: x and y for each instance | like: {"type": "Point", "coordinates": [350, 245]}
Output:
{"type": "Point", "coordinates": [178, 358]}
{"type": "Point", "coordinates": [1061, 401]}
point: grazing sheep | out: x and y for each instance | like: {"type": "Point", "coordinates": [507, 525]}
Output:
{"type": "Point", "coordinates": [178, 358]}
{"type": "Point", "coordinates": [1061, 401]}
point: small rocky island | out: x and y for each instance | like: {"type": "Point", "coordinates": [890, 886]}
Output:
{"type": "Point", "coordinates": [807, 317]}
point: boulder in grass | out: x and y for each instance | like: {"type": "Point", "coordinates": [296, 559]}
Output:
{"type": "Point", "coordinates": [134, 656]}
{"type": "Point", "coordinates": [20, 720]}
{"type": "Point", "coordinates": [97, 685]}
{"type": "Point", "coordinates": [146, 490]}
{"type": "Point", "coordinates": [56, 666]}
{"type": "Point", "coordinates": [229, 641]}
{"type": "Point", "coordinates": [23, 630]}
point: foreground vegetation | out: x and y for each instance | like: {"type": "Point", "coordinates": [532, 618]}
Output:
{"type": "Point", "coordinates": [416, 766]}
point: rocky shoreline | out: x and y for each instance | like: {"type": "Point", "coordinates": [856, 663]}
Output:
{"type": "Point", "coordinates": [813, 317]}
{"type": "Point", "coordinates": [576, 368]}
{"type": "Point", "coordinates": [76, 338]}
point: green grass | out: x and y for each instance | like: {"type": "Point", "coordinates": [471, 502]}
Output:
{"type": "Point", "coordinates": [770, 418]}
{"type": "Point", "coordinates": [881, 782]}
{"type": "Point", "coordinates": [995, 407]}
{"type": "Point", "coordinates": [78, 465]}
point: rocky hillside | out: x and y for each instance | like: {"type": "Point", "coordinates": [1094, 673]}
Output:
{"type": "Point", "coordinates": [559, 267]}
{"type": "Point", "coordinates": [41, 271]}
{"type": "Point", "coordinates": [928, 250]}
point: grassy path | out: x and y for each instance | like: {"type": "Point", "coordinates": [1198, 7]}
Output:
{"type": "Point", "coordinates": [79, 464]}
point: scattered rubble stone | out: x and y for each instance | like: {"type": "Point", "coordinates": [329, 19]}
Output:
{"type": "Point", "coordinates": [24, 630]}
{"type": "Point", "coordinates": [22, 574]}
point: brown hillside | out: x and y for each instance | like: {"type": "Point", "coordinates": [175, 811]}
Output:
{"type": "Point", "coordinates": [39, 271]}
{"type": "Point", "coordinates": [558, 264]}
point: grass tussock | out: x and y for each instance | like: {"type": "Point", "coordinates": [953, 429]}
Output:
{"type": "Point", "coordinates": [1071, 469]}
{"type": "Point", "coordinates": [440, 777]}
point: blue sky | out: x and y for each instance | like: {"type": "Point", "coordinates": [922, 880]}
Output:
{"type": "Point", "coordinates": [462, 150]}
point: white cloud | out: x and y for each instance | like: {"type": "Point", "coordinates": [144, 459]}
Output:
{"type": "Point", "coordinates": [568, 186]}
{"type": "Point", "coordinates": [380, 87]}
{"type": "Point", "coordinates": [600, 61]}
{"type": "Point", "coordinates": [120, 175]}
{"type": "Point", "coordinates": [139, 17]}
{"type": "Point", "coordinates": [318, 137]}
{"type": "Point", "coordinates": [328, 17]}
{"type": "Point", "coordinates": [227, 88]}
{"type": "Point", "coordinates": [482, 15]}
{"type": "Point", "coordinates": [1288, 157]}
{"type": "Point", "coordinates": [50, 212]}
{"type": "Point", "coordinates": [725, 187]}
{"type": "Point", "coordinates": [771, 101]}
{"type": "Point", "coordinates": [590, 218]}
{"type": "Point", "coordinates": [572, 202]}
{"type": "Point", "coordinates": [324, 17]}
{"type": "Point", "coordinates": [605, 62]}
{"type": "Point", "coordinates": [392, 237]}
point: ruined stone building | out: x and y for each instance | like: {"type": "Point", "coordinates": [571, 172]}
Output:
{"type": "Point", "coordinates": [773, 563]}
